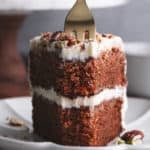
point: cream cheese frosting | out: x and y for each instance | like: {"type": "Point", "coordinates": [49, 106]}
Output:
{"type": "Point", "coordinates": [92, 101]}
{"type": "Point", "coordinates": [76, 51]}
{"type": "Point", "coordinates": [64, 102]}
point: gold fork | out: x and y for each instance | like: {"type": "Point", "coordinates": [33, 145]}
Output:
{"type": "Point", "coordinates": [80, 21]}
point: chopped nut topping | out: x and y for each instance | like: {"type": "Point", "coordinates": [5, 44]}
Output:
{"type": "Point", "coordinates": [104, 35]}
{"type": "Point", "coordinates": [15, 122]}
{"type": "Point", "coordinates": [69, 38]}
{"type": "Point", "coordinates": [55, 36]}
{"type": "Point", "coordinates": [107, 35]}
{"type": "Point", "coordinates": [110, 36]}
{"type": "Point", "coordinates": [83, 46]}
{"type": "Point", "coordinates": [131, 134]}
{"type": "Point", "coordinates": [71, 42]}
{"type": "Point", "coordinates": [46, 36]}
{"type": "Point", "coordinates": [131, 137]}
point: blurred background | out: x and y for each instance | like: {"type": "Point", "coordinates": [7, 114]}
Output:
{"type": "Point", "coordinates": [130, 21]}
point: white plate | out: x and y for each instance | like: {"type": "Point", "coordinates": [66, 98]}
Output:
{"type": "Point", "coordinates": [19, 138]}
{"type": "Point", "coordinates": [23, 5]}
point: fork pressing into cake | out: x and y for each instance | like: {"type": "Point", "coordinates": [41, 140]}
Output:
{"type": "Point", "coordinates": [80, 21]}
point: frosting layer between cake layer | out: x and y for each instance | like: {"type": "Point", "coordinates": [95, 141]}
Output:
{"type": "Point", "coordinates": [82, 127]}
{"type": "Point", "coordinates": [80, 86]}
{"type": "Point", "coordinates": [64, 102]}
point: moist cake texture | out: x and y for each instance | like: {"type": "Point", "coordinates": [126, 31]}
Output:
{"type": "Point", "coordinates": [78, 87]}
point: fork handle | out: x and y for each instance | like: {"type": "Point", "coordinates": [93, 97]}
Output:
{"type": "Point", "coordinates": [81, 1]}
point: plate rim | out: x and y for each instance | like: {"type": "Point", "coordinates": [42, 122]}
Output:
{"type": "Point", "coordinates": [48, 143]}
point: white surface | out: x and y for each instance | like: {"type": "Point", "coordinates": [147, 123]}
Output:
{"type": "Point", "coordinates": [138, 49]}
{"type": "Point", "coordinates": [138, 117]}
{"type": "Point", "coordinates": [138, 59]}
{"type": "Point", "coordinates": [75, 52]}
{"type": "Point", "coordinates": [91, 101]}
{"type": "Point", "coordinates": [28, 5]}
{"type": "Point", "coordinates": [91, 3]}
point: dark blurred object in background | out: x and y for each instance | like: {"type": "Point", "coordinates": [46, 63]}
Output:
{"type": "Point", "coordinates": [13, 75]}
{"type": "Point", "coordinates": [129, 21]}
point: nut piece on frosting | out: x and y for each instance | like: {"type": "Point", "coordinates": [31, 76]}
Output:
{"type": "Point", "coordinates": [15, 122]}
{"type": "Point", "coordinates": [131, 137]}
{"type": "Point", "coordinates": [70, 37]}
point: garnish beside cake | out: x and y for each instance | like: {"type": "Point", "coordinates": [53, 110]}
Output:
{"type": "Point", "coordinates": [132, 137]}
{"type": "Point", "coordinates": [78, 87]}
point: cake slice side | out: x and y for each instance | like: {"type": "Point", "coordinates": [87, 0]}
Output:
{"type": "Point", "coordinates": [80, 97]}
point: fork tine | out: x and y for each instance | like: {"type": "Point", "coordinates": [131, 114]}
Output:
{"type": "Point", "coordinates": [80, 19]}
{"type": "Point", "coordinates": [80, 35]}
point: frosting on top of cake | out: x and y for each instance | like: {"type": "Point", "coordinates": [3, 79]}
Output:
{"type": "Point", "coordinates": [70, 48]}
